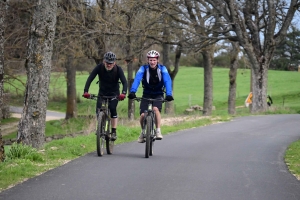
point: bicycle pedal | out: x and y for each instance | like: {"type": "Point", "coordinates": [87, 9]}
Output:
{"type": "Point", "coordinates": [158, 138]}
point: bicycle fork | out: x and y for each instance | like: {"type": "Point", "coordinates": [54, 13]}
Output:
{"type": "Point", "coordinates": [106, 126]}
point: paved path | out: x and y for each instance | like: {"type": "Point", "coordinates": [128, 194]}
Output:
{"type": "Point", "coordinates": [16, 112]}
{"type": "Point", "coordinates": [50, 115]}
{"type": "Point", "coordinates": [237, 160]}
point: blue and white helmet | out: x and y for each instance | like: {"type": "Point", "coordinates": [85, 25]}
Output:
{"type": "Point", "coordinates": [153, 54]}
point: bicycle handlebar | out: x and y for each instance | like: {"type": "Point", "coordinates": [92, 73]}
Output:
{"type": "Point", "coordinates": [149, 99]}
{"type": "Point", "coordinates": [94, 96]}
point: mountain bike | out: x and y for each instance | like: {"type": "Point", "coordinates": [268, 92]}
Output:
{"type": "Point", "coordinates": [148, 125]}
{"type": "Point", "coordinates": [103, 134]}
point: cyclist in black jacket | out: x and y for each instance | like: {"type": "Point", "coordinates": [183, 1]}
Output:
{"type": "Point", "coordinates": [109, 74]}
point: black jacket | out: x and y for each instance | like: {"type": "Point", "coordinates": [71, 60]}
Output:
{"type": "Point", "coordinates": [108, 80]}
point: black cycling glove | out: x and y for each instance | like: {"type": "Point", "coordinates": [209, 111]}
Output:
{"type": "Point", "coordinates": [169, 98]}
{"type": "Point", "coordinates": [131, 95]}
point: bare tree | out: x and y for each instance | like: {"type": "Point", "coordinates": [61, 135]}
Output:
{"type": "Point", "coordinates": [16, 34]}
{"type": "Point", "coordinates": [38, 66]}
{"type": "Point", "coordinates": [232, 77]}
{"type": "Point", "coordinates": [99, 23]}
{"type": "Point", "coordinates": [129, 62]}
{"type": "Point", "coordinates": [233, 55]}
{"type": "Point", "coordinates": [16, 37]}
{"type": "Point", "coordinates": [199, 18]}
{"type": "Point", "coordinates": [71, 111]}
{"type": "Point", "coordinates": [2, 26]}
{"type": "Point", "coordinates": [70, 27]}
{"type": "Point", "coordinates": [169, 106]}
{"type": "Point", "coordinates": [259, 26]}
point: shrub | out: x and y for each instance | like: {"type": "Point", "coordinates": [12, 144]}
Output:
{"type": "Point", "coordinates": [21, 151]}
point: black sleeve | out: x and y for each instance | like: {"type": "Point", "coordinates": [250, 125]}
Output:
{"type": "Point", "coordinates": [123, 80]}
{"type": "Point", "coordinates": [91, 77]}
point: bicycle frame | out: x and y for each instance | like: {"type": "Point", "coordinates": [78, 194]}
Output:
{"type": "Point", "coordinates": [106, 111]}
{"type": "Point", "coordinates": [151, 113]}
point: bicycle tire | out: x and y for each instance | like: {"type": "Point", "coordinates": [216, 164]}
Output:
{"type": "Point", "coordinates": [152, 137]}
{"type": "Point", "coordinates": [151, 144]}
{"type": "Point", "coordinates": [100, 134]}
{"type": "Point", "coordinates": [109, 141]}
{"type": "Point", "coordinates": [148, 135]}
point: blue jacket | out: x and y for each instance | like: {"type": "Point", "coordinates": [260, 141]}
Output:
{"type": "Point", "coordinates": [143, 75]}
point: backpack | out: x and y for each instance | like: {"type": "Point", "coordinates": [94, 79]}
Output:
{"type": "Point", "coordinates": [115, 71]}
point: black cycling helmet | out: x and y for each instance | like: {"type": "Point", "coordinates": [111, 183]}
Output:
{"type": "Point", "coordinates": [109, 57]}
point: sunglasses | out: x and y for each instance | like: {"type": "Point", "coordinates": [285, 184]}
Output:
{"type": "Point", "coordinates": [109, 63]}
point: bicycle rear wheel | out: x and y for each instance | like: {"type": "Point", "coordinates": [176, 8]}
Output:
{"type": "Point", "coordinates": [109, 141]}
{"type": "Point", "coordinates": [148, 136]}
{"type": "Point", "coordinates": [100, 134]}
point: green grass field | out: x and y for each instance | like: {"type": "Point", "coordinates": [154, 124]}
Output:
{"type": "Point", "coordinates": [283, 86]}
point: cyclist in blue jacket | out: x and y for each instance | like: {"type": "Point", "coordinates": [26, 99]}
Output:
{"type": "Point", "coordinates": [155, 78]}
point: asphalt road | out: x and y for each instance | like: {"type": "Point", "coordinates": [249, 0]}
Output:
{"type": "Point", "coordinates": [237, 160]}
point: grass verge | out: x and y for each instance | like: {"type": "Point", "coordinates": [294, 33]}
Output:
{"type": "Point", "coordinates": [292, 158]}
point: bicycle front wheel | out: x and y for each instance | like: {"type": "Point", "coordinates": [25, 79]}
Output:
{"type": "Point", "coordinates": [109, 141]}
{"type": "Point", "coordinates": [100, 134]}
{"type": "Point", "coordinates": [148, 136]}
{"type": "Point", "coordinates": [152, 143]}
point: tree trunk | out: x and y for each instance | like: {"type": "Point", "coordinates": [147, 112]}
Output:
{"type": "Point", "coordinates": [169, 106]}
{"type": "Point", "coordinates": [208, 80]}
{"type": "Point", "coordinates": [166, 61]}
{"type": "Point", "coordinates": [173, 74]}
{"type": "Point", "coordinates": [2, 19]}
{"type": "Point", "coordinates": [131, 104]}
{"type": "Point", "coordinates": [259, 89]}
{"type": "Point", "coordinates": [71, 88]}
{"type": "Point", "coordinates": [232, 77]}
{"type": "Point", "coordinates": [131, 108]}
{"type": "Point", "coordinates": [259, 78]}
{"type": "Point", "coordinates": [38, 66]}
{"type": "Point", "coordinates": [129, 61]}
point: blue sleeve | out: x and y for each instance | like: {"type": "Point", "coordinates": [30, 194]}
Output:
{"type": "Point", "coordinates": [167, 81]}
{"type": "Point", "coordinates": [137, 79]}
